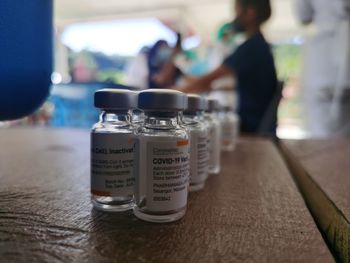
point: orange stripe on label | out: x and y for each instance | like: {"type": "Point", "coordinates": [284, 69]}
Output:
{"type": "Point", "coordinates": [182, 143]}
{"type": "Point", "coordinates": [100, 193]}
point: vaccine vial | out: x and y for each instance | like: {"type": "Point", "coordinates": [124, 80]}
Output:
{"type": "Point", "coordinates": [138, 117]}
{"type": "Point", "coordinates": [229, 129]}
{"type": "Point", "coordinates": [198, 134]}
{"type": "Point", "coordinates": [112, 151]}
{"type": "Point", "coordinates": [214, 136]}
{"type": "Point", "coordinates": [162, 172]}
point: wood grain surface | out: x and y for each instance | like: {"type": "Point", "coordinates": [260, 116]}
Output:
{"type": "Point", "coordinates": [252, 212]}
{"type": "Point", "coordinates": [328, 163]}
{"type": "Point", "coordinates": [322, 168]}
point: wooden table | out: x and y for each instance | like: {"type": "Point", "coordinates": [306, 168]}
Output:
{"type": "Point", "coordinates": [322, 170]}
{"type": "Point", "coordinates": [252, 212]}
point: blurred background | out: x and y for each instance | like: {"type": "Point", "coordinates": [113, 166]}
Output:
{"type": "Point", "coordinates": [97, 42]}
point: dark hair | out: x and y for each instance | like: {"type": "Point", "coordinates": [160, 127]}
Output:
{"type": "Point", "coordinates": [152, 53]}
{"type": "Point", "coordinates": [262, 7]}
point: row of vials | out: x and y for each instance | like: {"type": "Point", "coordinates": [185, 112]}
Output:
{"type": "Point", "coordinates": [150, 149]}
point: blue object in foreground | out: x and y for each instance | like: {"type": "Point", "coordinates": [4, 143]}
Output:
{"type": "Point", "coordinates": [26, 37]}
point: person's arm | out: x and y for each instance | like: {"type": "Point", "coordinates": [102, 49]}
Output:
{"type": "Point", "coordinates": [203, 84]}
{"type": "Point", "coordinates": [305, 11]}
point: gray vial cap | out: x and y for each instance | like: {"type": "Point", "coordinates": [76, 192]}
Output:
{"type": "Point", "coordinates": [162, 100]}
{"type": "Point", "coordinates": [195, 103]}
{"type": "Point", "coordinates": [213, 105]}
{"type": "Point", "coordinates": [116, 99]}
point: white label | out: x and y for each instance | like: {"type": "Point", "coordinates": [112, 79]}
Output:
{"type": "Point", "coordinates": [212, 144]}
{"type": "Point", "coordinates": [215, 145]}
{"type": "Point", "coordinates": [198, 157]}
{"type": "Point", "coordinates": [167, 175]}
{"type": "Point", "coordinates": [112, 160]}
{"type": "Point", "coordinates": [228, 132]}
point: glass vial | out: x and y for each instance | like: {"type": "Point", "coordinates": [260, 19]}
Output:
{"type": "Point", "coordinates": [214, 136]}
{"type": "Point", "coordinates": [112, 151]}
{"type": "Point", "coordinates": [162, 172]}
{"type": "Point", "coordinates": [198, 134]}
{"type": "Point", "coordinates": [229, 129]}
{"type": "Point", "coordinates": [138, 118]}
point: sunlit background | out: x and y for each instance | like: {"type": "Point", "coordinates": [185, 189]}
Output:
{"type": "Point", "coordinates": [95, 41]}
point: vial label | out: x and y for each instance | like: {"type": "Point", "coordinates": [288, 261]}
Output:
{"type": "Point", "coordinates": [198, 156]}
{"type": "Point", "coordinates": [112, 157]}
{"type": "Point", "coordinates": [228, 132]}
{"type": "Point", "coordinates": [213, 136]}
{"type": "Point", "coordinates": [210, 142]}
{"type": "Point", "coordinates": [167, 175]}
{"type": "Point", "coordinates": [209, 145]}
{"type": "Point", "coordinates": [215, 143]}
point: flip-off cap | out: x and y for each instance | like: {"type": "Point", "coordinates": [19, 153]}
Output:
{"type": "Point", "coordinates": [213, 105]}
{"type": "Point", "coordinates": [162, 100]}
{"type": "Point", "coordinates": [195, 103]}
{"type": "Point", "coordinates": [117, 99]}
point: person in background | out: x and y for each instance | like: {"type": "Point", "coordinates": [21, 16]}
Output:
{"type": "Point", "coordinates": [252, 65]}
{"type": "Point", "coordinates": [162, 72]}
{"type": "Point", "coordinates": [223, 46]}
{"type": "Point", "coordinates": [222, 88]}
{"type": "Point", "coordinates": [84, 67]}
{"type": "Point", "coordinates": [136, 74]}
{"type": "Point", "coordinates": [326, 80]}
{"type": "Point", "coordinates": [228, 38]}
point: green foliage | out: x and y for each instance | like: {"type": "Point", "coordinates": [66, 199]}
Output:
{"type": "Point", "coordinates": [109, 76]}
{"type": "Point", "coordinates": [288, 60]}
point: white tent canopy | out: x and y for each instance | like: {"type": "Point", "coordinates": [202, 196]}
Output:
{"type": "Point", "coordinates": [202, 16]}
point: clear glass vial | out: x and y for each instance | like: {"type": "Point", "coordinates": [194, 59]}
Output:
{"type": "Point", "coordinates": [138, 117]}
{"type": "Point", "coordinates": [229, 129]}
{"type": "Point", "coordinates": [198, 134]}
{"type": "Point", "coordinates": [214, 136]}
{"type": "Point", "coordinates": [162, 172]}
{"type": "Point", "coordinates": [112, 151]}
